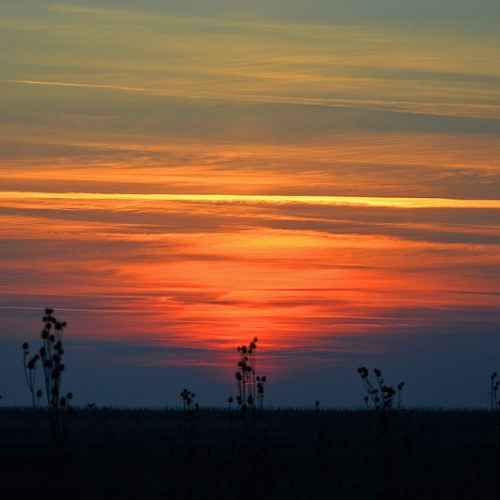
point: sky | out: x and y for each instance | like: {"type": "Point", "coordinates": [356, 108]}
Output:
{"type": "Point", "coordinates": [179, 177]}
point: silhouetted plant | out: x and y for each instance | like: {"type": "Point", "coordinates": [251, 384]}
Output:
{"type": "Point", "coordinates": [379, 395]}
{"type": "Point", "coordinates": [50, 356]}
{"type": "Point", "coordinates": [401, 386]}
{"type": "Point", "coordinates": [39, 395]}
{"type": "Point", "coordinates": [316, 406]}
{"type": "Point", "coordinates": [494, 386]}
{"type": "Point", "coordinates": [366, 399]}
{"type": "Point", "coordinates": [261, 385]}
{"type": "Point", "coordinates": [251, 388]}
{"type": "Point", "coordinates": [29, 366]}
{"type": "Point", "coordinates": [188, 403]}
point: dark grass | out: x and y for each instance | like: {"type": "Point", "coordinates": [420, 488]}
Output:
{"type": "Point", "coordinates": [285, 454]}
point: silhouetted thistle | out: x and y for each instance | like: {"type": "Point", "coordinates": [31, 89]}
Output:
{"type": "Point", "coordinates": [250, 387]}
{"type": "Point", "coordinates": [261, 385]}
{"type": "Point", "coordinates": [379, 395]}
{"type": "Point", "coordinates": [401, 386]}
{"type": "Point", "coordinates": [50, 355]}
{"type": "Point", "coordinates": [69, 398]}
{"type": "Point", "coordinates": [188, 401]}
{"type": "Point", "coordinates": [29, 367]}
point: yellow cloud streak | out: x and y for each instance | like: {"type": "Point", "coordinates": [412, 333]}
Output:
{"type": "Point", "coordinates": [362, 201]}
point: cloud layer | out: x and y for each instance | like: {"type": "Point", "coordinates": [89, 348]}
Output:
{"type": "Point", "coordinates": [176, 180]}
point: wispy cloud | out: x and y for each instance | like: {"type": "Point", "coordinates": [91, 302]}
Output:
{"type": "Point", "coordinates": [79, 85]}
{"type": "Point", "coordinates": [431, 72]}
{"type": "Point", "coordinates": [418, 107]}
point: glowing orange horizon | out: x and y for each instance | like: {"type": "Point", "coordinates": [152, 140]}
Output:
{"type": "Point", "coordinates": [264, 269]}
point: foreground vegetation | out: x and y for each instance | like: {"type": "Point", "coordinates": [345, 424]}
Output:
{"type": "Point", "coordinates": [250, 452]}
{"type": "Point", "coordinates": [268, 454]}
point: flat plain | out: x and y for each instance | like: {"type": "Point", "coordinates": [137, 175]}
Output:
{"type": "Point", "coordinates": [273, 454]}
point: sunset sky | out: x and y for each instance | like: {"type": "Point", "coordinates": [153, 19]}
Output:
{"type": "Point", "coordinates": [177, 177]}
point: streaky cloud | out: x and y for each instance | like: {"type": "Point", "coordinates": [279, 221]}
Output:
{"type": "Point", "coordinates": [361, 201]}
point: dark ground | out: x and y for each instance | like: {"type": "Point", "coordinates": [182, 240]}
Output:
{"type": "Point", "coordinates": [274, 455]}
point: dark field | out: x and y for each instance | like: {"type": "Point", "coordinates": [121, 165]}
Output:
{"type": "Point", "coordinates": [272, 455]}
